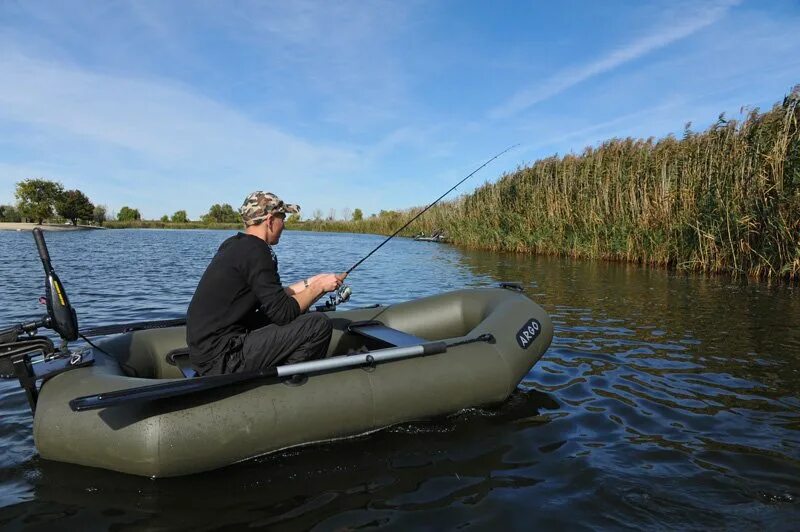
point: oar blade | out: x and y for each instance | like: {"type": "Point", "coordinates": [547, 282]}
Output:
{"type": "Point", "coordinates": [119, 328]}
{"type": "Point", "coordinates": [165, 390]}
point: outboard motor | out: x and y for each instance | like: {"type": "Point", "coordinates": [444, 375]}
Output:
{"type": "Point", "coordinates": [61, 316]}
{"type": "Point", "coordinates": [29, 357]}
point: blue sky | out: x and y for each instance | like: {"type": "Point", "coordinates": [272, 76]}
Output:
{"type": "Point", "coordinates": [167, 105]}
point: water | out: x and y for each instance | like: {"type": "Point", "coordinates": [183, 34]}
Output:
{"type": "Point", "coordinates": [665, 401]}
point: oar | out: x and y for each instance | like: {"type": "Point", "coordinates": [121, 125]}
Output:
{"type": "Point", "coordinates": [188, 386]}
{"type": "Point", "coordinates": [118, 328]}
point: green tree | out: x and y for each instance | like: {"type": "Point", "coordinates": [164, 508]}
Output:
{"type": "Point", "coordinates": [180, 217]}
{"type": "Point", "coordinates": [9, 214]}
{"type": "Point", "coordinates": [165, 218]}
{"type": "Point", "coordinates": [126, 214]}
{"type": "Point", "coordinates": [358, 215]}
{"type": "Point", "coordinates": [74, 205]}
{"type": "Point", "coordinates": [99, 214]}
{"type": "Point", "coordinates": [221, 214]}
{"type": "Point", "coordinates": [293, 218]}
{"type": "Point", "coordinates": [36, 198]}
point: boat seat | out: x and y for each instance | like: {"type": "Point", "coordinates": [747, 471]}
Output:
{"type": "Point", "coordinates": [376, 330]}
{"type": "Point", "coordinates": [180, 358]}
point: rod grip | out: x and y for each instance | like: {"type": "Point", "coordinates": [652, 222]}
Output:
{"type": "Point", "coordinates": [42, 247]}
{"type": "Point", "coordinates": [434, 348]}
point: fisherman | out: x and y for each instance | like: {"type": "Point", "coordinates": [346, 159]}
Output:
{"type": "Point", "coordinates": [241, 318]}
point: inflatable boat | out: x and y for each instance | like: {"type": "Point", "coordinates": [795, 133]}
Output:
{"type": "Point", "coordinates": [131, 403]}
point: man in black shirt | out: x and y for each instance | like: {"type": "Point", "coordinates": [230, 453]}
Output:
{"type": "Point", "coordinates": [241, 317]}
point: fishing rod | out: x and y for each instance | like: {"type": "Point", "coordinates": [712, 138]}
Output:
{"type": "Point", "coordinates": [357, 264]}
{"type": "Point", "coordinates": [344, 291]}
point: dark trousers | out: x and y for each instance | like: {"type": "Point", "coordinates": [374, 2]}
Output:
{"type": "Point", "coordinates": [305, 338]}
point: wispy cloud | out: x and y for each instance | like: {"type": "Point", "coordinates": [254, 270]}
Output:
{"type": "Point", "coordinates": [344, 52]}
{"type": "Point", "coordinates": [147, 123]}
{"type": "Point", "coordinates": [164, 122]}
{"type": "Point", "coordinates": [568, 78]}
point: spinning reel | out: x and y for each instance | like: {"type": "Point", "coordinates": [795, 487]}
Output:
{"type": "Point", "coordinates": [342, 295]}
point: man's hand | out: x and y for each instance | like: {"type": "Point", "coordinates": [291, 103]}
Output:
{"type": "Point", "coordinates": [318, 286]}
{"type": "Point", "coordinates": [327, 282]}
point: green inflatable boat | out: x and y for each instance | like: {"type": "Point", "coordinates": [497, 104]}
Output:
{"type": "Point", "coordinates": [131, 403]}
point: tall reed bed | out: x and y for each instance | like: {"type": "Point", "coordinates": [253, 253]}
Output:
{"type": "Point", "coordinates": [723, 200]}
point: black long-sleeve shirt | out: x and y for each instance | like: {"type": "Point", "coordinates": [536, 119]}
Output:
{"type": "Point", "coordinates": [239, 291]}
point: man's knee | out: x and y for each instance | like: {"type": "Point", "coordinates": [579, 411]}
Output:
{"type": "Point", "coordinates": [319, 325]}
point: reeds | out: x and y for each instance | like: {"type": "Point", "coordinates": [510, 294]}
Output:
{"type": "Point", "coordinates": [724, 200]}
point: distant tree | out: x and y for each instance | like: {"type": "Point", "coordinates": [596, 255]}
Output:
{"type": "Point", "coordinates": [180, 217]}
{"type": "Point", "coordinates": [221, 214]}
{"type": "Point", "coordinates": [99, 214]}
{"type": "Point", "coordinates": [126, 214]}
{"type": "Point", "coordinates": [165, 218]}
{"type": "Point", "coordinates": [331, 215]}
{"type": "Point", "coordinates": [358, 215]}
{"type": "Point", "coordinates": [293, 218]}
{"type": "Point", "coordinates": [74, 205]}
{"type": "Point", "coordinates": [36, 198]}
{"type": "Point", "coordinates": [9, 214]}
{"type": "Point", "coordinates": [317, 214]}
{"type": "Point", "coordinates": [346, 213]}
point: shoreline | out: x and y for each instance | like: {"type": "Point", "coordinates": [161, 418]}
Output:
{"type": "Point", "coordinates": [16, 226]}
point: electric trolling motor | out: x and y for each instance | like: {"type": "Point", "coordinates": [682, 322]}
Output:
{"type": "Point", "coordinates": [28, 357]}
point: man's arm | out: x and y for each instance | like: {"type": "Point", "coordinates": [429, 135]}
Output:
{"type": "Point", "coordinates": [296, 288]}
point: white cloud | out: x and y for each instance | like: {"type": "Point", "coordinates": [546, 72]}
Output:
{"type": "Point", "coordinates": [165, 123]}
{"type": "Point", "coordinates": [150, 123]}
{"type": "Point", "coordinates": [568, 78]}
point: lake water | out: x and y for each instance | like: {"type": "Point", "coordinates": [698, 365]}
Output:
{"type": "Point", "coordinates": [666, 401]}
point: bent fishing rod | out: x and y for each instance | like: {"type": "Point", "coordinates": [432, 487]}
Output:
{"type": "Point", "coordinates": [357, 264]}
{"type": "Point", "coordinates": [343, 293]}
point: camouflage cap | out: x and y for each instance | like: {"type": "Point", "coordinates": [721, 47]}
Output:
{"type": "Point", "coordinates": [259, 204]}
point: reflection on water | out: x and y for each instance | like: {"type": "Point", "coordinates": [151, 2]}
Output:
{"type": "Point", "coordinates": [665, 401]}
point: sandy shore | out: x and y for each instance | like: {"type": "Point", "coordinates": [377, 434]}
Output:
{"type": "Point", "coordinates": [8, 226]}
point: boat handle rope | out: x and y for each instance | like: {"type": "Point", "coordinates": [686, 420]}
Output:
{"type": "Point", "coordinates": [485, 337]}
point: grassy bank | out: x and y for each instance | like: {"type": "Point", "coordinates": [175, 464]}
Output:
{"type": "Point", "coordinates": [155, 224]}
{"type": "Point", "coordinates": [723, 200]}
